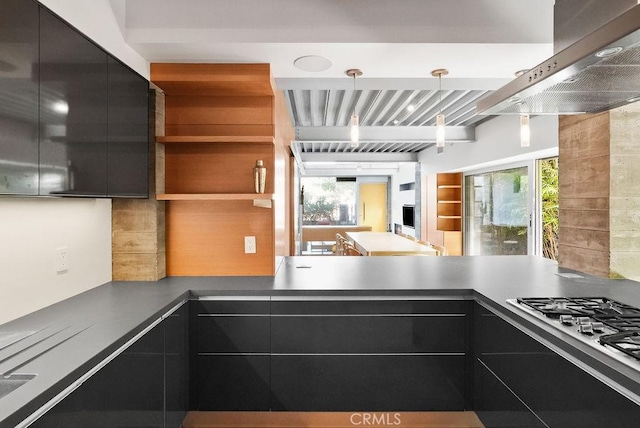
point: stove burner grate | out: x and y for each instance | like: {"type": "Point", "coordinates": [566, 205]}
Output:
{"type": "Point", "coordinates": [620, 322]}
{"type": "Point", "coordinates": [627, 341]}
{"type": "Point", "coordinates": [553, 307]}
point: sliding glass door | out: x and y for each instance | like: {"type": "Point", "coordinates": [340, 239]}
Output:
{"type": "Point", "coordinates": [498, 212]}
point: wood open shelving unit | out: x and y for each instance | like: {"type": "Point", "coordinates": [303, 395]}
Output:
{"type": "Point", "coordinates": [219, 120]}
{"type": "Point", "coordinates": [449, 201]}
{"type": "Point", "coordinates": [213, 167]}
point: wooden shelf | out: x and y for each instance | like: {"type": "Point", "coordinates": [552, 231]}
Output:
{"type": "Point", "coordinates": [449, 198]}
{"type": "Point", "coordinates": [231, 139]}
{"type": "Point", "coordinates": [213, 196]}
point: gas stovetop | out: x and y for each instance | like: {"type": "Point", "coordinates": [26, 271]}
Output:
{"type": "Point", "coordinates": [607, 325]}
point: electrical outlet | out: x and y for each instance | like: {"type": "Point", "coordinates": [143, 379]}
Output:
{"type": "Point", "coordinates": [62, 259]}
{"type": "Point", "coordinates": [249, 244]}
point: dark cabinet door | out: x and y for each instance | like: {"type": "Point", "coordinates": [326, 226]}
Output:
{"type": "Point", "coordinates": [230, 368]}
{"type": "Point", "coordinates": [128, 132]}
{"type": "Point", "coordinates": [176, 367]}
{"type": "Point", "coordinates": [369, 355]}
{"type": "Point", "coordinates": [367, 382]}
{"type": "Point", "coordinates": [18, 97]}
{"type": "Point", "coordinates": [127, 392]}
{"type": "Point", "coordinates": [555, 390]}
{"type": "Point", "coordinates": [73, 111]}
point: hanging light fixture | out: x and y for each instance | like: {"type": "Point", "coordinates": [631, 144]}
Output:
{"type": "Point", "coordinates": [525, 131]}
{"type": "Point", "coordinates": [355, 120]}
{"type": "Point", "coordinates": [440, 137]}
{"type": "Point", "coordinates": [525, 127]}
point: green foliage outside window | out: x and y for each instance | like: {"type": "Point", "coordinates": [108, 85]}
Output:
{"type": "Point", "coordinates": [549, 192]}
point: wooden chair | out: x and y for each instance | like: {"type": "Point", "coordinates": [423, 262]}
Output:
{"type": "Point", "coordinates": [350, 250]}
{"type": "Point", "coordinates": [441, 251]}
{"type": "Point", "coordinates": [340, 241]}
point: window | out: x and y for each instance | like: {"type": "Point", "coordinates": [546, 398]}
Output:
{"type": "Point", "coordinates": [329, 201]}
{"type": "Point", "coordinates": [497, 212]}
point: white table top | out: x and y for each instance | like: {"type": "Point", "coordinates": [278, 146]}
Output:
{"type": "Point", "coordinates": [387, 244]}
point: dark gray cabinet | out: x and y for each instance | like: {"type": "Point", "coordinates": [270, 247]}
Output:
{"type": "Point", "coordinates": [19, 97]}
{"type": "Point", "coordinates": [144, 386]}
{"type": "Point", "coordinates": [230, 363]}
{"type": "Point", "coordinates": [74, 121]}
{"type": "Point", "coordinates": [73, 111]}
{"type": "Point", "coordinates": [520, 382]}
{"type": "Point", "coordinates": [127, 132]}
{"type": "Point", "coordinates": [386, 355]}
{"type": "Point", "coordinates": [176, 373]}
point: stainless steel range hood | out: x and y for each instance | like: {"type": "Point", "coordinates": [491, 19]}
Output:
{"type": "Point", "coordinates": [597, 73]}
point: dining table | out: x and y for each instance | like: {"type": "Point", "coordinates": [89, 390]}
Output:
{"type": "Point", "coordinates": [388, 244]}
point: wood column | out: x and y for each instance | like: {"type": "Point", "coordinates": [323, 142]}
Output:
{"type": "Point", "coordinates": [138, 225]}
{"type": "Point", "coordinates": [599, 175]}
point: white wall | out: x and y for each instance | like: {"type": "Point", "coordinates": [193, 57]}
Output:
{"type": "Point", "coordinates": [498, 142]}
{"type": "Point", "coordinates": [405, 174]}
{"type": "Point", "coordinates": [31, 229]}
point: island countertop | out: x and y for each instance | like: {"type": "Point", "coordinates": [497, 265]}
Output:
{"type": "Point", "coordinates": [101, 320]}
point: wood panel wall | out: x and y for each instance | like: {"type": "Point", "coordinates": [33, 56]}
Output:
{"type": "Point", "coordinates": [284, 135]}
{"type": "Point", "coordinates": [584, 177]}
{"type": "Point", "coordinates": [224, 100]}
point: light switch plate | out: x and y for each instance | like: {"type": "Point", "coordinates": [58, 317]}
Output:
{"type": "Point", "coordinates": [249, 244]}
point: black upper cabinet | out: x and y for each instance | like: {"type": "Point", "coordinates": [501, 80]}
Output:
{"type": "Point", "coordinates": [73, 111]}
{"type": "Point", "coordinates": [128, 132]}
{"type": "Point", "coordinates": [18, 97]}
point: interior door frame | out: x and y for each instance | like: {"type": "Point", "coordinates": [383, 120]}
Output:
{"type": "Point", "coordinates": [374, 179]}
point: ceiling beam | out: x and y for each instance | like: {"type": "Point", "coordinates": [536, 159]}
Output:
{"type": "Point", "coordinates": [409, 134]}
{"type": "Point", "coordinates": [356, 157]}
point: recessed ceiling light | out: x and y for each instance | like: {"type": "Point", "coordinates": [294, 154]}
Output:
{"type": "Point", "coordinates": [608, 52]}
{"type": "Point", "coordinates": [396, 121]}
{"type": "Point", "coordinates": [314, 63]}
{"type": "Point", "coordinates": [411, 107]}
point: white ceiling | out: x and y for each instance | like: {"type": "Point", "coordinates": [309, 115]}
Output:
{"type": "Point", "coordinates": [396, 43]}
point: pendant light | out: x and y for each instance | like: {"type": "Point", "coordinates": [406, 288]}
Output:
{"type": "Point", "coordinates": [525, 131]}
{"type": "Point", "coordinates": [440, 137]}
{"type": "Point", "coordinates": [355, 120]}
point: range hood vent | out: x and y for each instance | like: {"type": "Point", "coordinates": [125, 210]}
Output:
{"type": "Point", "coordinates": [599, 72]}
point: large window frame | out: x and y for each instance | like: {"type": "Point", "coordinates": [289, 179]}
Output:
{"type": "Point", "coordinates": [534, 238]}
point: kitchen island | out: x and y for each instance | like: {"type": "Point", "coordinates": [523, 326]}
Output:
{"type": "Point", "coordinates": [105, 321]}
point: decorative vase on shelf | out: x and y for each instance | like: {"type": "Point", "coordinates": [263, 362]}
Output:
{"type": "Point", "coordinates": [259, 176]}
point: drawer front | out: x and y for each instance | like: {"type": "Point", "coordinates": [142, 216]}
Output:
{"type": "Point", "coordinates": [365, 334]}
{"type": "Point", "coordinates": [232, 334]}
{"type": "Point", "coordinates": [233, 382]}
{"type": "Point", "coordinates": [352, 307]}
{"type": "Point", "coordinates": [367, 383]}
{"type": "Point", "coordinates": [246, 307]}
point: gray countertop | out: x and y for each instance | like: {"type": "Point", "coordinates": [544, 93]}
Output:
{"type": "Point", "coordinates": [99, 321]}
